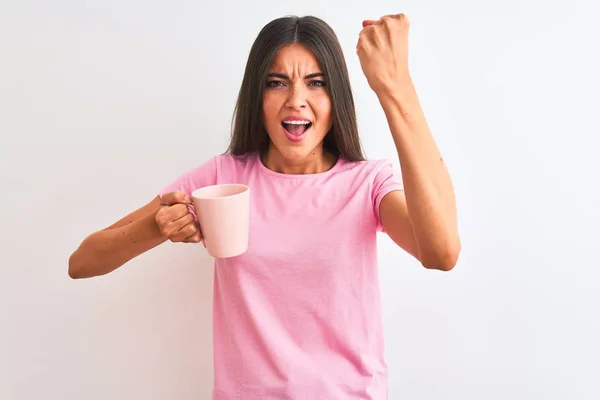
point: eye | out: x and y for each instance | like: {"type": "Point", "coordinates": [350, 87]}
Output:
{"type": "Point", "coordinates": [317, 83]}
{"type": "Point", "coordinates": [274, 83]}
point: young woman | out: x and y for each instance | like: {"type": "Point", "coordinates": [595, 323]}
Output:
{"type": "Point", "coordinates": [298, 315]}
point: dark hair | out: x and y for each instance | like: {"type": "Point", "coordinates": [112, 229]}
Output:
{"type": "Point", "coordinates": [248, 131]}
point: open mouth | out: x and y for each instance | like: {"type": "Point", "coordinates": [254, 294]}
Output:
{"type": "Point", "coordinates": [296, 128]}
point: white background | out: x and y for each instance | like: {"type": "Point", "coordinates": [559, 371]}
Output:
{"type": "Point", "coordinates": [104, 102]}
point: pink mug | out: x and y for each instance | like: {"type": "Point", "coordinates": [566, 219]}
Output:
{"type": "Point", "coordinates": [224, 216]}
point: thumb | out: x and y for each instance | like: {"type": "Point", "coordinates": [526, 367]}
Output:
{"type": "Point", "coordinates": [175, 197]}
{"type": "Point", "coordinates": [368, 22]}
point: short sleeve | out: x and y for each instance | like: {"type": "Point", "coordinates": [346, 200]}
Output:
{"type": "Point", "coordinates": [197, 177]}
{"type": "Point", "coordinates": [387, 179]}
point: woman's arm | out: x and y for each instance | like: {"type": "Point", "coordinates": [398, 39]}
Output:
{"type": "Point", "coordinates": [164, 218]}
{"type": "Point", "coordinates": [106, 250]}
{"type": "Point", "coordinates": [422, 219]}
{"type": "Point", "coordinates": [428, 199]}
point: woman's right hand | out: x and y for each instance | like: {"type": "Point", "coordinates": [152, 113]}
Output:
{"type": "Point", "coordinates": [175, 220]}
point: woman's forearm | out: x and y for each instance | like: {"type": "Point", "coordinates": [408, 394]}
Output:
{"type": "Point", "coordinates": [428, 188]}
{"type": "Point", "coordinates": [106, 250]}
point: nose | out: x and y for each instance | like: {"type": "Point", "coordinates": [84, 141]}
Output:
{"type": "Point", "coordinates": [297, 97]}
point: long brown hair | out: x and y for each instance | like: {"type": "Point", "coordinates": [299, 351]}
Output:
{"type": "Point", "coordinates": [248, 131]}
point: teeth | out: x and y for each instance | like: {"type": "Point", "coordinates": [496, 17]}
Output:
{"type": "Point", "coordinates": [297, 122]}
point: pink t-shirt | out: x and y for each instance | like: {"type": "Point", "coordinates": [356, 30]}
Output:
{"type": "Point", "coordinates": [298, 316]}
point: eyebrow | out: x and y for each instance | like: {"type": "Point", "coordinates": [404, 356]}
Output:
{"type": "Point", "coordinates": [284, 76]}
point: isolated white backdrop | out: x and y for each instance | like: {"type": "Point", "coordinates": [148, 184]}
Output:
{"type": "Point", "coordinates": [103, 102]}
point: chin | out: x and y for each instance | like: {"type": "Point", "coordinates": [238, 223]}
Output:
{"type": "Point", "coordinates": [297, 147]}
{"type": "Point", "coordinates": [296, 152]}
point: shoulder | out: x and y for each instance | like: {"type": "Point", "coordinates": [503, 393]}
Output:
{"type": "Point", "coordinates": [216, 169]}
{"type": "Point", "coordinates": [222, 163]}
{"type": "Point", "coordinates": [230, 161]}
{"type": "Point", "coordinates": [378, 176]}
{"type": "Point", "coordinates": [368, 169]}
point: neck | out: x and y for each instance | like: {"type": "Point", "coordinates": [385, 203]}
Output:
{"type": "Point", "coordinates": [316, 162]}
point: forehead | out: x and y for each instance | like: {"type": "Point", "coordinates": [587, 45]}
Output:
{"type": "Point", "coordinates": [295, 57]}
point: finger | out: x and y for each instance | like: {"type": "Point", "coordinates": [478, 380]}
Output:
{"type": "Point", "coordinates": [175, 197]}
{"type": "Point", "coordinates": [393, 16]}
{"type": "Point", "coordinates": [169, 226]}
{"type": "Point", "coordinates": [368, 22]}
{"type": "Point", "coordinates": [186, 232]}
{"type": "Point", "coordinates": [399, 17]}
{"type": "Point", "coordinates": [195, 238]}
{"type": "Point", "coordinates": [167, 216]}
{"type": "Point", "coordinates": [182, 222]}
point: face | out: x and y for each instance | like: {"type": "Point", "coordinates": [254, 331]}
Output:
{"type": "Point", "coordinates": [296, 105]}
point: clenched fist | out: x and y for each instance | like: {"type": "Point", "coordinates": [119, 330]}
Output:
{"type": "Point", "coordinates": [382, 49]}
{"type": "Point", "coordinates": [175, 220]}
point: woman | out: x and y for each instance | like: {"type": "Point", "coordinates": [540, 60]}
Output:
{"type": "Point", "coordinates": [298, 315]}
